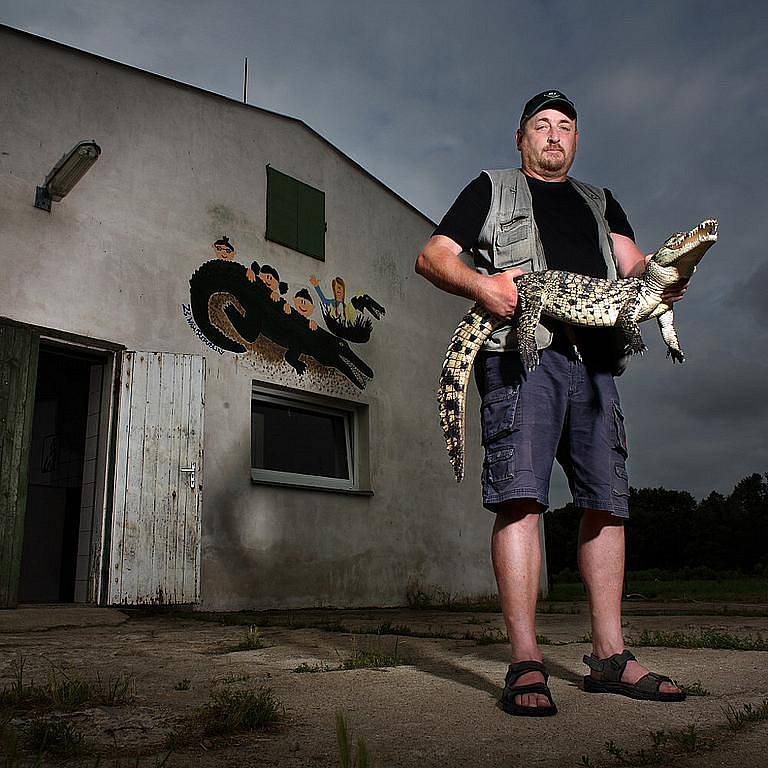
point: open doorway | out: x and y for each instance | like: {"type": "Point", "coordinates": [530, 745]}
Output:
{"type": "Point", "coordinates": [62, 525]}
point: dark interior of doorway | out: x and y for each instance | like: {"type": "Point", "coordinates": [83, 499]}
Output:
{"type": "Point", "coordinates": [58, 523]}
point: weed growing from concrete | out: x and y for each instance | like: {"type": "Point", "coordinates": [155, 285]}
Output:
{"type": "Point", "coordinates": [387, 628]}
{"type": "Point", "coordinates": [363, 759]}
{"type": "Point", "coordinates": [319, 666]}
{"type": "Point", "coordinates": [748, 713]}
{"type": "Point", "coordinates": [372, 658]}
{"type": "Point", "coordinates": [695, 689]}
{"type": "Point", "coordinates": [64, 691]}
{"type": "Point", "coordinates": [488, 637]}
{"type": "Point", "coordinates": [251, 641]}
{"type": "Point", "coordinates": [235, 711]}
{"type": "Point", "coordinates": [233, 678]}
{"type": "Point", "coordinates": [704, 638]}
{"type": "Point", "coordinates": [56, 737]}
{"type": "Point", "coordinates": [183, 685]}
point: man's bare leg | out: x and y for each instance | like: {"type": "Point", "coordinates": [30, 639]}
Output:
{"type": "Point", "coordinates": [516, 553]}
{"type": "Point", "coordinates": [601, 563]}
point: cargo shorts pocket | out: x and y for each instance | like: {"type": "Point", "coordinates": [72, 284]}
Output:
{"type": "Point", "coordinates": [619, 477]}
{"type": "Point", "coordinates": [498, 468]}
{"type": "Point", "coordinates": [620, 434]}
{"type": "Point", "coordinates": [499, 414]}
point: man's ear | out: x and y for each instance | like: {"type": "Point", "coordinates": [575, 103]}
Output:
{"type": "Point", "coordinates": [518, 137]}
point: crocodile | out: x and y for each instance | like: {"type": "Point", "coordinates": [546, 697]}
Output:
{"type": "Point", "coordinates": [578, 300]}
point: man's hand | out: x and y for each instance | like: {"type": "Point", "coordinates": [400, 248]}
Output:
{"type": "Point", "coordinates": [499, 293]}
{"type": "Point", "coordinates": [676, 291]}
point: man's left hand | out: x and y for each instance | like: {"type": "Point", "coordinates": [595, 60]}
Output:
{"type": "Point", "coordinates": [676, 291]}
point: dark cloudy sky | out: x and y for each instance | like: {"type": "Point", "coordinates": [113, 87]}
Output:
{"type": "Point", "coordinates": [673, 113]}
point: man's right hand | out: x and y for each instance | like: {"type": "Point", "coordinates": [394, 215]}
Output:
{"type": "Point", "coordinates": [499, 293]}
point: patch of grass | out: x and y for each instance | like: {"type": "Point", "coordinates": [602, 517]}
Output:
{"type": "Point", "coordinates": [251, 640]}
{"type": "Point", "coordinates": [116, 691]}
{"type": "Point", "coordinates": [387, 628]}
{"type": "Point", "coordinates": [553, 608]}
{"type": "Point", "coordinates": [695, 689]}
{"type": "Point", "coordinates": [319, 666]}
{"type": "Point", "coordinates": [233, 678]}
{"type": "Point", "coordinates": [64, 692]}
{"type": "Point", "coordinates": [363, 759]}
{"type": "Point", "coordinates": [372, 658]}
{"type": "Point", "coordinates": [748, 713]}
{"type": "Point", "coordinates": [236, 711]}
{"type": "Point", "coordinates": [488, 637]}
{"type": "Point", "coordinates": [183, 685]}
{"type": "Point", "coordinates": [56, 737]}
{"type": "Point", "coordinates": [703, 638]}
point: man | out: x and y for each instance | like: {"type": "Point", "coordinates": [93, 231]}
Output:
{"type": "Point", "coordinates": [513, 221]}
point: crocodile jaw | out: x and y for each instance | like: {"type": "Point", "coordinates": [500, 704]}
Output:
{"type": "Point", "coordinates": [684, 250]}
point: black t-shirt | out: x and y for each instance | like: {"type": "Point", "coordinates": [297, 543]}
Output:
{"type": "Point", "coordinates": [567, 229]}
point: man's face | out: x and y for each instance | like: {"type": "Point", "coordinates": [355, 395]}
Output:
{"type": "Point", "coordinates": [547, 142]}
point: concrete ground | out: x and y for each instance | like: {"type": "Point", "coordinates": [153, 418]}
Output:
{"type": "Point", "coordinates": [438, 709]}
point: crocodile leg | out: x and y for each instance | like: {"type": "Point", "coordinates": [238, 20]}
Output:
{"type": "Point", "coordinates": [529, 310]}
{"type": "Point", "coordinates": [292, 358]}
{"type": "Point", "coordinates": [669, 334]}
{"type": "Point", "coordinates": [627, 322]}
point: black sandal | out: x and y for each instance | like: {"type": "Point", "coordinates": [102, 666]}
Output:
{"type": "Point", "coordinates": [507, 701]}
{"type": "Point", "coordinates": [606, 678]}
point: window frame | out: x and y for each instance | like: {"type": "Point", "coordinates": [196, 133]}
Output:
{"type": "Point", "coordinates": [299, 186]}
{"type": "Point", "coordinates": [352, 416]}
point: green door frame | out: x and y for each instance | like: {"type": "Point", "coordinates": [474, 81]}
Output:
{"type": "Point", "coordinates": [19, 349]}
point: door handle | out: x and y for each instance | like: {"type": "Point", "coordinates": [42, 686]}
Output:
{"type": "Point", "coordinates": [192, 471]}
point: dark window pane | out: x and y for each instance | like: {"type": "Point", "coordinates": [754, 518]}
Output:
{"type": "Point", "coordinates": [286, 438]}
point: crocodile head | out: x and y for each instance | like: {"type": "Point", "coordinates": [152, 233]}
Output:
{"type": "Point", "coordinates": [684, 250]}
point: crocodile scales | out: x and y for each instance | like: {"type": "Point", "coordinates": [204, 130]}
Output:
{"type": "Point", "coordinates": [576, 299]}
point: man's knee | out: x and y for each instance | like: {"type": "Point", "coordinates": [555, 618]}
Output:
{"type": "Point", "coordinates": [524, 511]}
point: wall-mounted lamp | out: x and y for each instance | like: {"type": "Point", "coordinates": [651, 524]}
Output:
{"type": "Point", "coordinates": [66, 173]}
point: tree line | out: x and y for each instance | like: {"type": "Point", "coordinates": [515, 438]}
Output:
{"type": "Point", "coordinates": [670, 530]}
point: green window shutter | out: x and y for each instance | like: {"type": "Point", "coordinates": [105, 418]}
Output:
{"type": "Point", "coordinates": [282, 209]}
{"type": "Point", "coordinates": [295, 214]}
{"type": "Point", "coordinates": [312, 222]}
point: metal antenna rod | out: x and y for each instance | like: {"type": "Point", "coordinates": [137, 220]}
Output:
{"type": "Point", "coordinates": [245, 81]}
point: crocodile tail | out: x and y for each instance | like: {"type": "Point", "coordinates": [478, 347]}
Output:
{"type": "Point", "coordinates": [475, 327]}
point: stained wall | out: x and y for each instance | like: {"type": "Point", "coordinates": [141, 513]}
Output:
{"type": "Point", "coordinates": [179, 169]}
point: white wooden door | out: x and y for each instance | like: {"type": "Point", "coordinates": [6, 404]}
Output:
{"type": "Point", "coordinates": [155, 542]}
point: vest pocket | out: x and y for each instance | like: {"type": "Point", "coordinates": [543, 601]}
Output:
{"type": "Point", "coordinates": [511, 248]}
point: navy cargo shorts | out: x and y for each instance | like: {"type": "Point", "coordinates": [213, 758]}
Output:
{"type": "Point", "coordinates": [564, 409]}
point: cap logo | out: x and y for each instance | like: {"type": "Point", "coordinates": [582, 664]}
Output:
{"type": "Point", "coordinates": [551, 94]}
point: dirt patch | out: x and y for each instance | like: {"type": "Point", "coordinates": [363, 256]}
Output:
{"type": "Point", "coordinates": [436, 708]}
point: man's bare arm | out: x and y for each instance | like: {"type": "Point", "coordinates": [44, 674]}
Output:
{"type": "Point", "coordinates": [440, 263]}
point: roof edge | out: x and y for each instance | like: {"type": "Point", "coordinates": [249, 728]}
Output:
{"type": "Point", "coordinates": [229, 100]}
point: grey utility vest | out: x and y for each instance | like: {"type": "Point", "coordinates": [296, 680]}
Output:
{"type": "Point", "coordinates": [510, 239]}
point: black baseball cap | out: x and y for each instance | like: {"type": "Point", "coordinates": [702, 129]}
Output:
{"type": "Point", "coordinates": [548, 100]}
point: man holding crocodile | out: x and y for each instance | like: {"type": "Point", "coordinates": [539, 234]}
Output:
{"type": "Point", "coordinates": [529, 219]}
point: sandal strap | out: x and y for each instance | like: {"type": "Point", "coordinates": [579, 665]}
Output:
{"type": "Point", "coordinates": [651, 682]}
{"type": "Point", "coordinates": [612, 668]}
{"type": "Point", "coordinates": [515, 671]}
{"type": "Point", "coordinates": [542, 688]}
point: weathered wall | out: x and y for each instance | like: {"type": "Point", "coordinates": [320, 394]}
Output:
{"type": "Point", "coordinates": [180, 168]}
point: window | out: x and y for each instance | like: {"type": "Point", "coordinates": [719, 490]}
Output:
{"type": "Point", "coordinates": [295, 214]}
{"type": "Point", "coordinates": [304, 440]}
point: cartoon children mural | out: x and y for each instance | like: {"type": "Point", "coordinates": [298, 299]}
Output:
{"type": "Point", "coordinates": [233, 306]}
{"type": "Point", "coordinates": [304, 305]}
{"type": "Point", "coordinates": [346, 319]}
